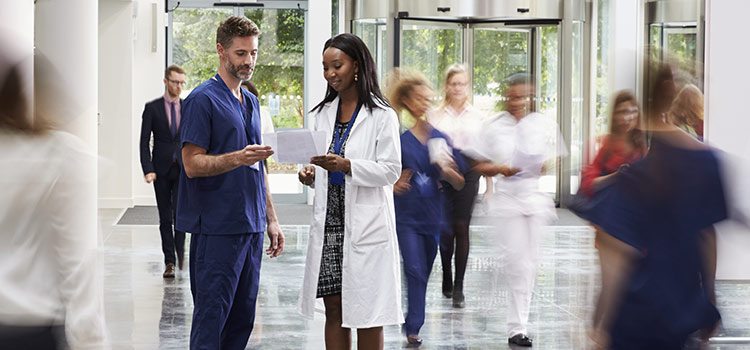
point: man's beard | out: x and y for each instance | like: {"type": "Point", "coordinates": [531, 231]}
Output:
{"type": "Point", "coordinates": [235, 71]}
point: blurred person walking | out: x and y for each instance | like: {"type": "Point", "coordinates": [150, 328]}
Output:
{"type": "Point", "coordinates": [50, 279]}
{"type": "Point", "coordinates": [352, 253]}
{"type": "Point", "coordinates": [687, 111]}
{"type": "Point", "coordinates": [429, 165]}
{"type": "Point", "coordinates": [224, 200]}
{"type": "Point", "coordinates": [624, 145]}
{"type": "Point", "coordinates": [458, 119]}
{"type": "Point", "coordinates": [161, 118]}
{"type": "Point", "coordinates": [514, 146]}
{"type": "Point", "coordinates": [656, 219]}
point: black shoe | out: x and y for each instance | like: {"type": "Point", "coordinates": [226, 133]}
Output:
{"type": "Point", "coordinates": [180, 261]}
{"type": "Point", "coordinates": [458, 299]}
{"type": "Point", "coordinates": [520, 340]}
{"type": "Point", "coordinates": [447, 288]}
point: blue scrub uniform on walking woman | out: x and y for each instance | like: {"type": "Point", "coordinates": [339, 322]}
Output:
{"type": "Point", "coordinates": [429, 164]}
{"type": "Point", "coordinates": [419, 220]}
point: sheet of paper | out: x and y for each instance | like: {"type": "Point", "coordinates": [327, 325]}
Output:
{"type": "Point", "coordinates": [296, 146]}
{"type": "Point", "coordinates": [438, 150]}
{"type": "Point", "coordinates": [530, 165]}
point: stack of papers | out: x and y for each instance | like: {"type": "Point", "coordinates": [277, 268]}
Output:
{"type": "Point", "coordinates": [296, 146]}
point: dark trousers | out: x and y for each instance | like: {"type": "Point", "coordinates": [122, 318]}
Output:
{"type": "Point", "coordinates": [418, 250]}
{"type": "Point", "coordinates": [455, 237]}
{"type": "Point", "coordinates": [172, 241]}
{"type": "Point", "coordinates": [224, 279]}
{"type": "Point", "coordinates": [32, 338]}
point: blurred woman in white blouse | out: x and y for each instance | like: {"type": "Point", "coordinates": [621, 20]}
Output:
{"type": "Point", "coordinates": [51, 294]}
{"type": "Point", "coordinates": [458, 119]}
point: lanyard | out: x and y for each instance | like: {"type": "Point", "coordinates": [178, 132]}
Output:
{"type": "Point", "coordinates": [337, 178]}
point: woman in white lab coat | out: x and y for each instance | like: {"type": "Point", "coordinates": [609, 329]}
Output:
{"type": "Point", "coordinates": [514, 147]}
{"type": "Point", "coordinates": [352, 256]}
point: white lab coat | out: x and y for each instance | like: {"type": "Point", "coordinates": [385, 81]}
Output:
{"type": "Point", "coordinates": [371, 276]}
{"type": "Point", "coordinates": [526, 144]}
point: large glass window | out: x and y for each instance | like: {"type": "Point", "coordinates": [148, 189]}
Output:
{"type": "Point", "coordinates": [431, 48]}
{"type": "Point", "coordinates": [372, 32]}
{"type": "Point", "coordinates": [279, 72]}
{"type": "Point", "coordinates": [577, 108]}
{"type": "Point", "coordinates": [498, 53]}
{"type": "Point", "coordinates": [194, 42]}
{"type": "Point", "coordinates": [602, 83]}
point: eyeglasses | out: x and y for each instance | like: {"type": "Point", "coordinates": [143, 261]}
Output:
{"type": "Point", "coordinates": [176, 82]}
{"type": "Point", "coordinates": [627, 111]}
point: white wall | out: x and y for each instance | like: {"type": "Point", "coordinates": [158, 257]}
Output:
{"type": "Point", "coordinates": [115, 105]}
{"type": "Point", "coordinates": [130, 75]}
{"type": "Point", "coordinates": [624, 21]}
{"type": "Point", "coordinates": [727, 120]}
{"type": "Point", "coordinates": [148, 73]}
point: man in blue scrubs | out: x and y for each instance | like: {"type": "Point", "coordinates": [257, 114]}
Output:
{"type": "Point", "coordinates": [223, 199]}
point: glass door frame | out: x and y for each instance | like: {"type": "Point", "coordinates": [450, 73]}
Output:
{"type": "Point", "coordinates": [238, 9]}
{"type": "Point", "coordinates": [562, 186]}
{"type": "Point", "coordinates": [379, 51]}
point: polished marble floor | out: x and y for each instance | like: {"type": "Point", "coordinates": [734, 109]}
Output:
{"type": "Point", "coordinates": [145, 311]}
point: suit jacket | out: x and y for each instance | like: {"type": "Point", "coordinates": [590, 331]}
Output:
{"type": "Point", "coordinates": [165, 145]}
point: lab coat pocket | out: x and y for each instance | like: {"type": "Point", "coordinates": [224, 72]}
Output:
{"type": "Point", "coordinates": [369, 225]}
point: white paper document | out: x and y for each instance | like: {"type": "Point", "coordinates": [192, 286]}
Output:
{"type": "Point", "coordinates": [296, 146]}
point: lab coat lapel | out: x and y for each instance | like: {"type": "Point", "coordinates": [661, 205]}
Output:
{"type": "Point", "coordinates": [331, 114]}
{"type": "Point", "coordinates": [362, 114]}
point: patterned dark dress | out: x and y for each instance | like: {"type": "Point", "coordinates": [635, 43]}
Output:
{"type": "Point", "coordinates": [329, 279]}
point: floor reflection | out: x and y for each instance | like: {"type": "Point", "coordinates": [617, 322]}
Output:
{"type": "Point", "coordinates": [145, 311]}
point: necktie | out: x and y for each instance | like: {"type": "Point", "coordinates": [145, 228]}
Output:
{"type": "Point", "coordinates": [173, 119]}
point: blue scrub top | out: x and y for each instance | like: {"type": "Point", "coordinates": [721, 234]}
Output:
{"type": "Point", "coordinates": [424, 204]}
{"type": "Point", "coordinates": [233, 202]}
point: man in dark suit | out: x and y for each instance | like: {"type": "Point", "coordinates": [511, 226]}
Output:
{"type": "Point", "coordinates": [161, 117]}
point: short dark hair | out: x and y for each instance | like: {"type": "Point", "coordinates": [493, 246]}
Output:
{"type": "Point", "coordinates": [367, 85]}
{"type": "Point", "coordinates": [173, 68]}
{"type": "Point", "coordinates": [519, 79]}
{"type": "Point", "coordinates": [235, 26]}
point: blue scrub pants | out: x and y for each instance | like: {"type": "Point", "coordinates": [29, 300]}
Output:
{"type": "Point", "coordinates": [224, 279]}
{"type": "Point", "coordinates": [418, 250]}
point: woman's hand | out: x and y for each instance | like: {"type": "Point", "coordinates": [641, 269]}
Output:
{"type": "Point", "coordinates": [306, 175]}
{"type": "Point", "coordinates": [452, 175]}
{"type": "Point", "coordinates": [332, 163]}
{"type": "Point", "coordinates": [403, 184]}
